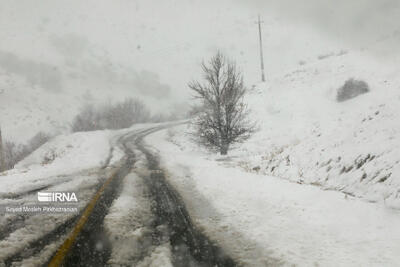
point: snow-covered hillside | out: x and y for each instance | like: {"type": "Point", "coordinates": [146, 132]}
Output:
{"type": "Point", "coordinates": [64, 155]}
{"type": "Point", "coordinates": [306, 136]}
{"type": "Point", "coordinates": [26, 109]}
{"type": "Point", "coordinates": [33, 98]}
{"type": "Point", "coordinates": [44, 92]}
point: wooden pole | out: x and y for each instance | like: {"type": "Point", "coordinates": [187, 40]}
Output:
{"type": "Point", "coordinates": [261, 49]}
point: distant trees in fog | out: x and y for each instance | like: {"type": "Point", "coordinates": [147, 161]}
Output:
{"type": "Point", "coordinates": [124, 114]}
{"type": "Point", "coordinates": [115, 116]}
{"type": "Point", "coordinates": [87, 120]}
{"type": "Point", "coordinates": [222, 117]}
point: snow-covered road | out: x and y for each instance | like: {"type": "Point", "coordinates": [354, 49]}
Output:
{"type": "Point", "coordinates": [205, 206]}
{"type": "Point", "coordinates": [81, 163]}
{"type": "Point", "coordinates": [127, 214]}
{"type": "Point", "coordinates": [72, 163]}
{"type": "Point", "coordinates": [262, 220]}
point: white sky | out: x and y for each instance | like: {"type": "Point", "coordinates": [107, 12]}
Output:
{"type": "Point", "coordinates": [171, 37]}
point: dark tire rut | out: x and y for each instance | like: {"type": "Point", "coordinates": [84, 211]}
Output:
{"type": "Point", "coordinates": [190, 246]}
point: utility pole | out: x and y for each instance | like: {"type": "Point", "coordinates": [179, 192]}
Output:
{"type": "Point", "coordinates": [2, 155]}
{"type": "Point", "coordinates": [261, 49]}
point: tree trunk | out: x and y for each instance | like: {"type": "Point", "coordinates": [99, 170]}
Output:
{"type": "Point", "coordinates": [224, 148]}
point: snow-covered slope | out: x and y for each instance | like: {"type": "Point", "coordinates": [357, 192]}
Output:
{"type": "Point", "coordinates": [33, 98]}
{"type": "Point", "coordinates": [53, 161]}
{"type": "Point", "coordinates": [44, 92]}
{"type": "Point", "coordinates": [263, 220]}
{"type": "Point", "coordinates": [26, 109]}
{"type": "Point", "coordinates": [307, 136]}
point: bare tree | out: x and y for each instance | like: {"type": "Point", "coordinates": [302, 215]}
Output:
{"type": "Point", "coordinates": [86, 120]}
{"type": "Point", "coordinates": [224, 117]}
{"type": "Point", "coordinates": [111, 116]}
{"type": "Point", "coordinates": [11, 153]}
{"type": "Point", "coordinates": [37, 141]}
{"type": "Point", "coordinates": [124, 114]}
{"type": "Point", "coordinates": [2, 155]}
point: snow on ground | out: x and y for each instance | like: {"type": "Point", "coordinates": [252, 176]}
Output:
{"type": "Point", "coordinates": [65, 154]}
{"type": "Point", "coordinates": [71, 163]}
{"type": "Point", "coordinates": [299, 189]}
{"type": "Point", "coordinates": [76, 163]}
{"type": "Point", "coordinates": [261, 219]}
{"type": "Point", "coordinates": [307, 137]}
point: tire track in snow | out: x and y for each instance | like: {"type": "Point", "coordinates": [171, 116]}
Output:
{"type": "Point", "coordinates": [190, 246]}
{"type": "Point", "coordinates": [87, 244]}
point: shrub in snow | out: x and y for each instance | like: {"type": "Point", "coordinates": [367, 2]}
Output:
{"type": "Point", "coordinates": [342, 52]}
{"type": "Point", "coordinates": [351, 89]}
{"type": "Point", "coordinates": [324, 56]}
{"type": "Point", "coordinates": [87, 120]}
{"type": "Point", "coordinates": [302, 62]}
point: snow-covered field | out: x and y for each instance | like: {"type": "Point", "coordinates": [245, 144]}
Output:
{"type": "Point", "coordinates": [261, 219]}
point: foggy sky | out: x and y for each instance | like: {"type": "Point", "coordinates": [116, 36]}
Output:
{"type": "Point", "coordinates": [354, 21]}
{"type": "Point", "coordinates": [162, 42]}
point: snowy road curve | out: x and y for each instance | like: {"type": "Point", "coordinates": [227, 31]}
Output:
{"type": "Point", "coordinates": [130, 217]}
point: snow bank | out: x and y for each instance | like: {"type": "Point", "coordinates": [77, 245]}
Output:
{"type": "Point", "coordinates": [78, 150]}
{"type": "Point", "coordinates": [263, 220]}
{"type": "Point", "coordinates": [65, 154]}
